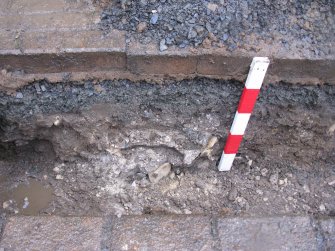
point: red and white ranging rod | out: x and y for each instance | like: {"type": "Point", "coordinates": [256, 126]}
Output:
{"type": "Point", "coordinates": [247, 102]}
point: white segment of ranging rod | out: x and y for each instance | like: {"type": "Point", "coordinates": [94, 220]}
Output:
{"type": "Point", "coordinates": [240, 123]}
{"type": "Point", "coordinates": [258, 68]}
{"type": "Point", "coordinates": [226, 161]}
{"type": "Point", "coordinates": [254, 82]}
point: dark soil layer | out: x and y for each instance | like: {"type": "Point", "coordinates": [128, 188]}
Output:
{"type": "Point", "coordinates": [299, 26]}
{"type": "Point", "coordinates": [94, 144]}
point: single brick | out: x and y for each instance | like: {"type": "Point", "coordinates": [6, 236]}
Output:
{"type": "Point", "coordinates": [303, 70]}
{"type": "Point", "coordinates": [52, 233]}
{"type": "Point", "coordinates": [161, 233]}
{"type": "Point", "coordinates": [221, 65]}
{"type": "Point", "coordinates": [65, 62]}
{"type": "Point", "coordinates": [328, 233]}
{"type": "Point", "coordinates": [162, 64]}
{"type": "Point", "coordinates": [258, 234]}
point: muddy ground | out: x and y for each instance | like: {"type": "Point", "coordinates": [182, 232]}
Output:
{"type": "Point", "coordinates": [305, 28]}
{"type": "Point", "coordinates": [89, 149]}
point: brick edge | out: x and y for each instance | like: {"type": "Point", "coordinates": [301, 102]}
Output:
{"type": "Point", "coordinates": [18, 69]}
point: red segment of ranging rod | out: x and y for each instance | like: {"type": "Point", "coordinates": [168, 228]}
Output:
{"type": "Point", "coordinates": [247, 102]}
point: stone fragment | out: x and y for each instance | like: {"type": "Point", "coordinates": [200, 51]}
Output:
{"type": "Point", "coordinates": [154, 18]}
{"type": "Point", "coordinates": [209, 147]}
{"type": "Point", "coordinates": [160, 173]}
{"type": "Point", "coordinates": [25, 203]}
{"type": "Point", "coordinates": [212, 6]}
{"type": "Point", "coordinates": [6, 204]}
{"type": "Point", "coordinates": [142, 26]}
{"type": "Point", "coordinates": [232, 194]}
{"type": "Point", "coordinates": [162, 45]}
{"type": "Point", "coordinates": [192, 34]}
{"type": "Point", "coordinates": [56, 169]}
{"type": "Point", "coordinates": [306, 188]}
{"type": "Point", "coordinates": [38, 88]}
{"type": "Point", "coordinates": [264, 172]}
{"type": "Point", "coordinates": [322, 208]}
{"type": "Point", "coordinates": [190, 156]}
{"type": "Point", "coordinates": [331, 181]}
{"type": "Point", "coordinates": [225, 37]}
{"type": "Point", "coordinates": [19, 95]}
{"type": "Point", "coordinates": [273, 178]}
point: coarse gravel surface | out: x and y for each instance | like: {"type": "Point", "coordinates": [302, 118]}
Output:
{"type": "Point", "coordinates": [304, 28]}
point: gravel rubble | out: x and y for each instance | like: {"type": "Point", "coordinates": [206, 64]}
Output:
{"type": "Point", "coordinates": [295, 25]}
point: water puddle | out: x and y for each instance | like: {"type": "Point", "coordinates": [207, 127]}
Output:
{"type": "Point", "coordinates": [27, 198]}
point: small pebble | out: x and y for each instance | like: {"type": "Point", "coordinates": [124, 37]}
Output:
{"type": "Point", "coordinates": [322, 208]}
{"type": "Point", "coordinates": [264, 172]}
{"type": "Point", "coordinates": [56, 169]}
{"type": "Point", "coordinates": [25, 203]}
{"type": "Point", "coordinates": [186, 211]}
{"type": "Point", "coordinates": [19, 95]}
{"type": "Point", "coordinates": [59, 177]}
{"type": "Point", "coordinates": [306, 188]}
{"type": "Point", "coordinates": [212, 6]}
{"type": "Point", "coordinates": [258, 191]}
{"type": "Point", "coordinates": [192, 34]}
{"type": "Point", "coordinates": [331, 181]}
{"type": "Point", "coordinates": [162, 45]}
{"type": "Point", "coordinates": [160, 173]}
{"type": "Point", "coordinates": [142, 26]}
{"type": "Point", "coordinates": [232, 194]}
{"type": "Point", "coordinates": [225, 37]}
{"type": "Point", "coordinates": [6, 204]}
{"type": "Point", "coordinates": [172, 175]}
{"type": "Point", "coordinates": [154, 18]}
{"type": "Point", "coordinates": [38, 88]}
{"type": "Point", "coordinates": [274, 179]}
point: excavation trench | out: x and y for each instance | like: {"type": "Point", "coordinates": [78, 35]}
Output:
{"type": "Point", "coordinates": [88, 148]}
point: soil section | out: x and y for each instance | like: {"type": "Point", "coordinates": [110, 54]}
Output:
{"type": "Point", "coordinates": [96, 145]}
